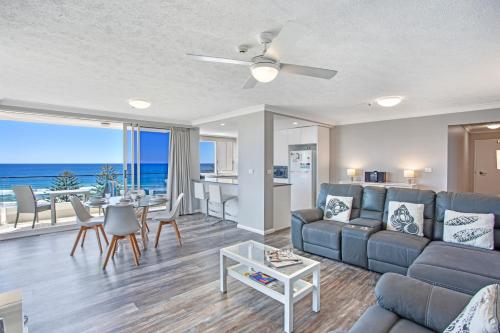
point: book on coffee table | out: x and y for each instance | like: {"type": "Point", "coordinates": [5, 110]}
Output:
{"type": "Point", "coordinates": [282, 258]}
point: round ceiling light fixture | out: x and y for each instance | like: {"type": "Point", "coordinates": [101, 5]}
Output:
{"type": "Point", "coordinates": [139, 103]}
{"type": "Point", "coordinates": [295, 123]}
{"type": "Point", "coordinates": [222, 124]}
{"type": "Point", "coordinates": [389, 101]}
{"type": "Point", "coordinates": [493, 126]}
{"type": "Point", "coordinates": [265, 71]}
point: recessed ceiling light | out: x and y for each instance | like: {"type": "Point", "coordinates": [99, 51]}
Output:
{"type": "Point", "coordinates": [389, 101]}
{"type": "Point", "coordinates": [222, 124]}
{"type": "Point", "coordinates": [493, 126]}
{"type": "Point", "coordinates": [295, 123]}
{"type": "Point", "coordinates": [139, 103]}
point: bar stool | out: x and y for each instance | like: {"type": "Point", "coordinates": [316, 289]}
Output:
{"type": "Point", "coordinates": [201, 194]}
{"type": "Point", "coordinates": [216, 196]}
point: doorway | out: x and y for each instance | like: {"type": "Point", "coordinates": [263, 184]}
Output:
{"type": "Point", "coordinates": [486, 172]}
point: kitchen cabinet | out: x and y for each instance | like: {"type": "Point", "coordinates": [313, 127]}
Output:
{"type": "Point", "coordinates": [281, 148]}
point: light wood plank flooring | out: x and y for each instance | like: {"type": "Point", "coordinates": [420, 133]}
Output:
{"type": "Point", "coordinates": [173, 290]}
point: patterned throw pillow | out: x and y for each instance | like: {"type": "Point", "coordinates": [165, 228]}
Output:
{"type": "Point", "coordinates": [480, 315]}
{"type": "Point", "coordinates": [338, 208]}
{"type": "Point", "coordinates": [469, 229]}
{"type": "Point", "coordinates": [406, 217]}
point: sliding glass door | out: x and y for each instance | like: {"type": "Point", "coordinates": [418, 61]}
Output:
{"type": "Point", "coordinates": [145, 158]}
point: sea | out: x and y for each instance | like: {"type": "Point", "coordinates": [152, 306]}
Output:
{"type": "Point", "coordinates": [42, 176]}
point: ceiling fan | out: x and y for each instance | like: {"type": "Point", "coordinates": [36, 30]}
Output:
{"type": "Point", "coordinates": [265, 67]}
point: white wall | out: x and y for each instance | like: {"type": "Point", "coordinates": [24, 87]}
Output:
{"type": "Point", "coordinates": [255, 147]}
{"type": "Point", "coordinates": [394, 145]}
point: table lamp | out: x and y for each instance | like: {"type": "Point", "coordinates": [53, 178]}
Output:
{"type": "Point", "coordinates": [351, 173]}
{"type": "Point", "coordinates": [410, 174]}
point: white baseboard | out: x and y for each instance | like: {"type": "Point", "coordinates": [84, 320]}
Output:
{"type": "Point", "coordinates": [257, 231]}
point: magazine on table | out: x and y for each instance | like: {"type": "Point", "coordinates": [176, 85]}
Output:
{"type": "Point", "coordinates": [282, 258]}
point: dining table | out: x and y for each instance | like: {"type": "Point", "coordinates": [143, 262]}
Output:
{"type": "Point", "coordinates": [142, 204]}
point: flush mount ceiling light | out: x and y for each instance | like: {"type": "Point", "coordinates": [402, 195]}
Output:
{"type": "Point", "coordinates": [222, 124]}
{"type": "Point", "coordinates": [265, 71]}
{"type": "Point", "coordinates": [295, 123]}
{"type": "Point", "coordinates": [389, 101]}
{"type": "Point", "coordinates": [493, 126]}
{"type": "Point", "coordinates": [139, 103]}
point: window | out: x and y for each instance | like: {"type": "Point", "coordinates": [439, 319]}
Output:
{"type": "Point", "coordinates": [207, 157]}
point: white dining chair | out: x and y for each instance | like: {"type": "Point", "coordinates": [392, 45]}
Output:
{"type": "Point", "coordinates": [169, 217]}
{"type": "Point", "coordinates": [201, 194]}
{"type": "Point", "coordinates": [86, 222]}
{"type": "Point", "coordinates": [27, 203]}
{"type": "Point", "coordinates": [121, 222]}
{"type": "Point", "coordinates": [216, 196]}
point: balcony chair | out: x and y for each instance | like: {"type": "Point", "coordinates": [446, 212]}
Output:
{"type": "Point", "coordinates": [27, 203]}
{"type": "Point", "coordinates": [121, 222]}
{"type": "Point", "coordinates": [169, 218]}
{"type": "Point", "coordinates": [86, 222]}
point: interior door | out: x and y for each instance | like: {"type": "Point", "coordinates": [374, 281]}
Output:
{"type": "Point", "coordinates": [486, 174]}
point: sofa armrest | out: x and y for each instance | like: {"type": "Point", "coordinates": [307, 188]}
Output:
{"type": "Point", "coordinates": [308, 215]}
{"type": "Point", "coordinates": [362, 222]}
{"type": "Point", "coordinates": [430, 306]}
{"type": "Point", "coordinates": [299, 218]}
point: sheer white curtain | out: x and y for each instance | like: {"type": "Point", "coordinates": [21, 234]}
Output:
{"type": "Point", "coordinates": [179, 169]}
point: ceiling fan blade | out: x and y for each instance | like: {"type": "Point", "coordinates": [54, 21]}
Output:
{"type": "Point", "coordinates": [320, 73]}
{"type": "Point", "coordinates": [250, 83]}
{"type": "Point", "coordinates": [285, 39]}
{"type": "Point", "coordinates": [217, 59]}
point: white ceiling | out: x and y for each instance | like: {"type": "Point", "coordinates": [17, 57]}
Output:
{"type": "Point", "coordinates": [229, 127]}
{"type": "Point", "coordinates": [443, 56]}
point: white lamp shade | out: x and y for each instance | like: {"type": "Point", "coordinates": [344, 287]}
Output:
{"type": "Point", "coordinates": [351, 172]}
{"type": "Point", "coordinates": [264, 72]}
{"type": "Point", "coordinates": [408, 173]}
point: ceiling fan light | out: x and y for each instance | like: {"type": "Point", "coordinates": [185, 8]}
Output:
{"type": "Point", "coordinates": [389, 101]}
{"type": "Point", "coordinates": [264, 72]}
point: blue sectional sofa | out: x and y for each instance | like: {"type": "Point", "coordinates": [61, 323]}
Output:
{"type": "Point", "coordinates": [365, 242]}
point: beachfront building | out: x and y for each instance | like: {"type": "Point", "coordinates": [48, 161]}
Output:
{"type": "Point", "coordinates": [249, 166]}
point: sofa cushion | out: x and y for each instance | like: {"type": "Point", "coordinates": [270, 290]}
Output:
{"type": "Point", "coordinates": [482, 314]}
{"type": "Point", "coordinates": [375, 320]}
{"type": "Point", "coordinates": [473, 229]}
{"type": "Point", "coordinates": [338, 208]}
{"type": "Point", "coordinates": [395, 247]}
{"type": "Point", "coordinates": [372, 205]}
{"type": "Point", "coordinates": [345, 190]}
{"type": "Point", "coordinates": [323, 233]}
{"type": "Point", "coordinates": [425, 197]}
{"type": "Point", "coordinates": [467, 203]}
{"type": "Point", "coordinates": [406, 217]}
{"type": "Point", "coordinates": [458, 267]}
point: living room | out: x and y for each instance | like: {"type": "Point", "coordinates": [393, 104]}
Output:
{"type": "Point", "coordinates": [277, 166]}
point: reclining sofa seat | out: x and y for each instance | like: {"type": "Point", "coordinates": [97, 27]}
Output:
{"type": "Point", "coordinates": [355, 235]}
{"type": "Point", "coordinates": [407, 305]}
{"type": "Point", "coordinates": [312, 234]}
{"type": "Point", "coordinates": [454, 266]}
{"type": "Point", "coordinates": [393, 251]}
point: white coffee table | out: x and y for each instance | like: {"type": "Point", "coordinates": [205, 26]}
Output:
{"type": "Point", "coordinates": [250, 254]}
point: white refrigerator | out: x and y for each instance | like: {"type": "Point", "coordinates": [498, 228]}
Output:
{"type": "Point", "coordinates": [302, 176]}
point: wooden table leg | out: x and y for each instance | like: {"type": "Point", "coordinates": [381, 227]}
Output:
{"type": "Point", "coordinates": [144, 231]}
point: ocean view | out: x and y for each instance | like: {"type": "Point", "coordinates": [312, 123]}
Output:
{"type": "Point", "coordinates": [42, 176]}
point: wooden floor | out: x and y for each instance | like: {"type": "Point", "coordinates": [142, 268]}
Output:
{"type": "Point", "coordinates": [173, 290]}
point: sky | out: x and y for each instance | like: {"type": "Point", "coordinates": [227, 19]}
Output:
{"type": "Point", "coordinates": [24, 142]}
